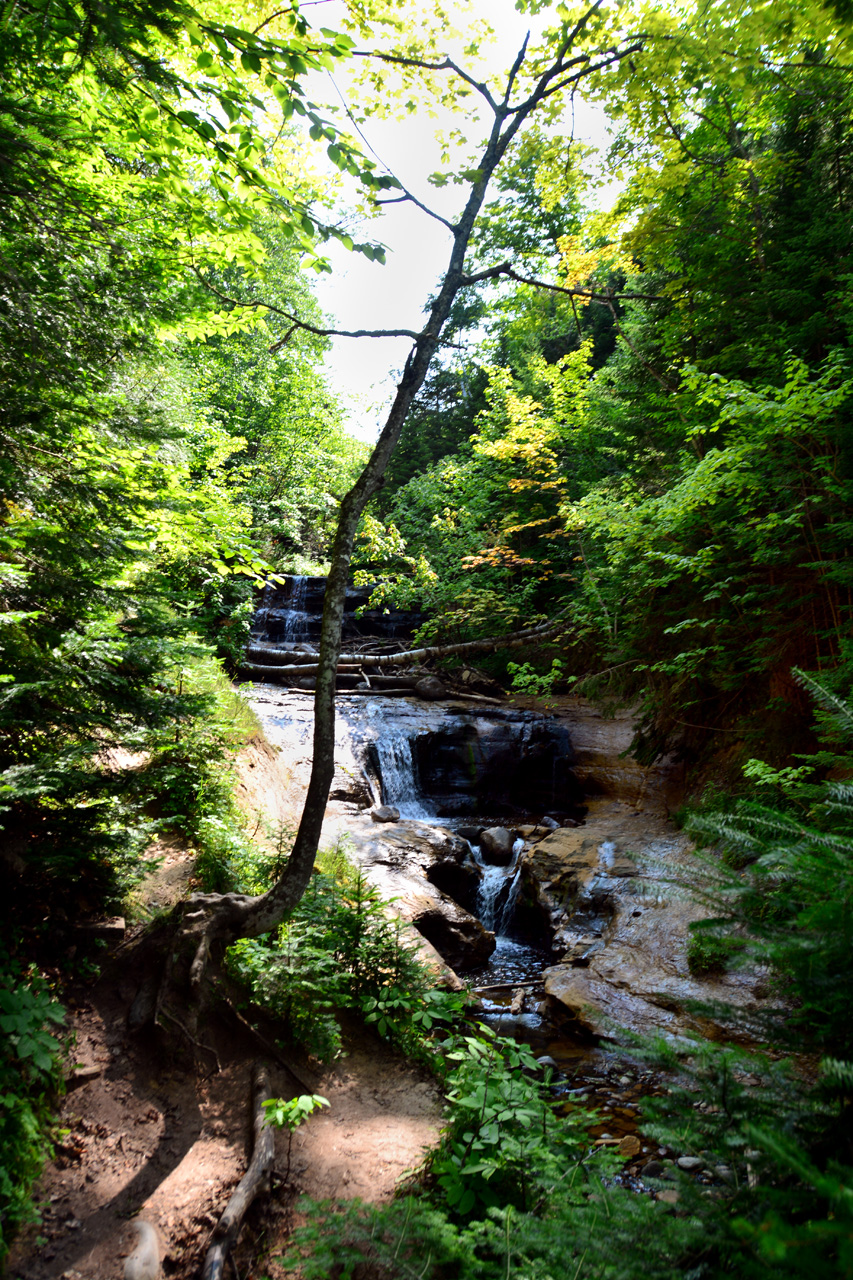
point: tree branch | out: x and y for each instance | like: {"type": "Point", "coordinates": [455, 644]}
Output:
{"type": "Point", "coordinates": [296, 323]}
{"type": "Point", "coordinates": [408, 197]}
{"type": "Point", "coordinates": [447, 64]}
{"type": "Point", "coordinates": [593, 295]}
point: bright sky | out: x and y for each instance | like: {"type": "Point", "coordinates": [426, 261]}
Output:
{"type": "Point", "coordinates": [364, 295]}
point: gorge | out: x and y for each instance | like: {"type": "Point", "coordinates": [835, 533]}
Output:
{"type": "Point", "coordinates": [583, 919]}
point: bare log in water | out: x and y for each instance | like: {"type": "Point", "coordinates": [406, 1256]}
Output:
{"type": "Point", "coordinates": [227, 1229]}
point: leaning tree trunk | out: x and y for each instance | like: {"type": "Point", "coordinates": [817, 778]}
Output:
{"type": "Point", "coordinates": [219, 919]}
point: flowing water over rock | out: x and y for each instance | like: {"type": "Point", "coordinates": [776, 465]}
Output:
{"type": "Point", "coordinates": [589, 913]}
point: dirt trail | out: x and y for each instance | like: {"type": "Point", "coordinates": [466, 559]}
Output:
{"type": "Point", "coordinates": [147, 1137]}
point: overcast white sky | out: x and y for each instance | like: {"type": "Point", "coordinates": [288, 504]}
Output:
{"type": "Point", "coordinates": [363, 295]}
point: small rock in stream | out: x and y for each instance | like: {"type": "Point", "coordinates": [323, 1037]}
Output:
{"type": "Point", "coordinates": [689, 1164]}
{"type": "Point", "coordinates": [496, 846]}
{"type": "Point", "coordinates": [385, 813]}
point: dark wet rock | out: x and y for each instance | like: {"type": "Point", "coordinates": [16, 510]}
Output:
{"type": "Point", "coordinates": [460, 940]}
{"type": "Point", "coordinates": [471, 834]}
{"type": "Point", "coordinates": [654, 1169]}
{"type": "Point", "coordinates": [410, 863]}
{"type": "Point", "coordinates": [460, 881]}
{"type": "Point", "coordinates": [385, 813]}
{"type": "Point", "coordinates": [551, 823]}
{"type": "Point", "coordinates": [430, 688]}
{"type": "Point", "coordinates": [496, 845]}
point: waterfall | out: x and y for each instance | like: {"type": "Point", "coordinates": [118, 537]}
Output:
{"type": "Point", "coordinates": [498, 889]}
{"type": "Point", "coordinates": [398, 776]}
{"type": "Point", "coordinates": [295, 621]}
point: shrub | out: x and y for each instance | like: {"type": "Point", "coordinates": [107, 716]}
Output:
{"type": "Point", "coordinates": [29, 1079]}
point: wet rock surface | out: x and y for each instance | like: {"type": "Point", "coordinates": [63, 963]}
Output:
{"type": "Point", "coordinates": [615, 892]}
{"type": "Point", "coordinates": [496, 844]}
{"type": "Point", "coordinates": [605, 893]}
{"type": "Point", "coordinates": [409, 863]}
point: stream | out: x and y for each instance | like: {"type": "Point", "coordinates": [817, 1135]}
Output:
{"type": "Point", "coordinates": [449, 766]}
{"type": "Point", "coordinates": [574, 929]}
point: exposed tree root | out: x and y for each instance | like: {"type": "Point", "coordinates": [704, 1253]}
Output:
{"type": "Point", "coordinates": [255, 1179]}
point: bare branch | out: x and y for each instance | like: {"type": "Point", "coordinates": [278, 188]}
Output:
{"type": "Point", "coordinates": [343, 333]}
{"type": "Point", "coordinates": [446, 65]}
{"type": "Point", "coordinates": [296, 323]}
{"type": "Point", "coordinates": [606, 296]}
{"type": "Point", "coordinates": [407, 197]}
{"type": "Point", "coordinates": [514, 70]}
{"type": "Point", "coordinates": [586, 69]}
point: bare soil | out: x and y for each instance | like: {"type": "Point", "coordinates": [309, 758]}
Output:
{"type": "Point", "coordinates": [144, 1136]}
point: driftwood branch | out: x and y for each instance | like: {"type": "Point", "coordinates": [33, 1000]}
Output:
{"type": "Point", "coordinates": [227, 1229]}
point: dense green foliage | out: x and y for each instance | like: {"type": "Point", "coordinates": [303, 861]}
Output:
{"type": "Point", "coordinates": [340, 949]}
{"type": "Point", "coordinates": [29, 1080]}
{"type": "Point", "coordinates": [686, 497]}
{"type": "Point", "coordinates": [655, 443]}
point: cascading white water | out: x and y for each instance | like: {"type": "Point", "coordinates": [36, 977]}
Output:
{"type": "Point", "coordinates": [496, 898]}
{"type": "Point", "coordinates": [296, 621]}
{"type": "Point", "coordinates": [398, 774]}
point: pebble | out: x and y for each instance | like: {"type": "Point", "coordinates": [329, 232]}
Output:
{"type": "Point", "coordinates": [654, 1169]}
{"type": "Point", "coordinates": [689, 1163]}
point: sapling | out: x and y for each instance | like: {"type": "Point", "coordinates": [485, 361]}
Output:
{"type": "Point", "coordinates": [290, 1115]}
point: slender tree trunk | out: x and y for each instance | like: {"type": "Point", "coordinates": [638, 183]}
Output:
{"type": "Point", "coordinates": [223, 918]}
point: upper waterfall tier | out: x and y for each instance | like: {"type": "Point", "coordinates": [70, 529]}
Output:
{"type": "Point", "coordinates": [291, 613]}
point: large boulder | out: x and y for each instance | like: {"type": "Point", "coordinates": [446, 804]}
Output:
{"type": "Point", "coordinates": [418, 867]}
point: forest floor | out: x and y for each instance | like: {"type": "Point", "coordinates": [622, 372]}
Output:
{"type": "Point", "coordinates": [144, 1136]}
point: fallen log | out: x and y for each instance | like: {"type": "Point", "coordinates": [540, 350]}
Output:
{"type": "Point", "coordinates": [348, 661]}
{"type": "Point", "coordinates": [255, 1179]}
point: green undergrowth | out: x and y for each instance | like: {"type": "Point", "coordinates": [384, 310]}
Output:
{"type": "Point", "coordinates": [30, 1079]}
{"type": "Point", "coordinates": [342, 948]}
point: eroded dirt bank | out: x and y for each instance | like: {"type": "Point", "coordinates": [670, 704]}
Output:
{"type": "Point", "coordinates": [147, 1138]}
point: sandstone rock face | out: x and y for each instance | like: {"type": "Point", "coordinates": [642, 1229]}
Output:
{"type": "Point", "coordinates": [496, 846]}
{"type": "Point", "coordinates": [621, 922]}
{"type": "Point", "coordinates": [409, 862]}
{"type": "Point", "coordinates": [600, 741]}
